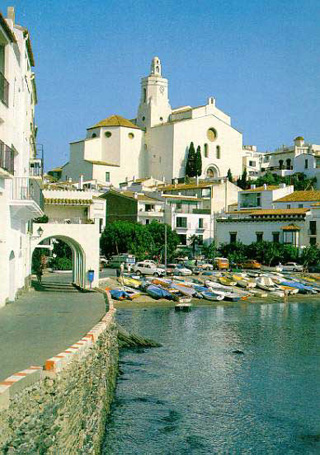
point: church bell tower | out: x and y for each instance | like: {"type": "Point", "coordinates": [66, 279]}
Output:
{"type": "Point", "coordinates": [154, 107]}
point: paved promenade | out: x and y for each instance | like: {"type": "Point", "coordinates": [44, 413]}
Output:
{"type": "Point", "coordinates": [40, 324]}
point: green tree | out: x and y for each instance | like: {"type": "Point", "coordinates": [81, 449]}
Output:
{"type": "Point", "coordinates": [191, 162]}
{"type": "Point", "coordinates": [310, 255]}
{"type": "Point", "coordinates": [198, 161]}
{"type": "Point", "coordinates": [265, 252]}
{"type": "Point", "coordinates": [243, 182]}
{"type": "Point", "coordinates": [236, 251]}
{"type": "Point", "coordinates": [157, 232]}
{"type": "Point", "coordinates": [229, 175]}
{"type": "Point", "coordinates": [210, 251]}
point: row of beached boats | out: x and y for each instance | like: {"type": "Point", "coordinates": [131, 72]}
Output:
{"type": "Point", "coordinates": [216, 286]}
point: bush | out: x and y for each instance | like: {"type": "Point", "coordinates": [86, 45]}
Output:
{"type": "Point", "coordinates": [61, 264]}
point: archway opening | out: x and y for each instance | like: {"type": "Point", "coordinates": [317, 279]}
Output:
{"type": "Point", "coordinates": [212, 172]}
{"type": "Point", "coordinates": [58, 262]}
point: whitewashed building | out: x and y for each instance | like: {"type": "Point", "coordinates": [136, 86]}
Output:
{"type": "Point", "coordinates": [156, 142]}
{"type": "Point", "coordinates": [20, 169]}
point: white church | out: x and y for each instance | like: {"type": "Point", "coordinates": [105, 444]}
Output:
{"type": "Point", "coordinates": [156, 142]}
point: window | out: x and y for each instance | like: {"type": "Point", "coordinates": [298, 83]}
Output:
{"type": "Point", "coordinates": [259, 236]}
{"type": "Point", "coordinates": [300, 206]}
{"type": "Point", "coordinates": [288, 161]}
{"type": "Point", "coordinates": [306, 164]}
{"type": "Point", "coordinates": [181, 222]}
{"type": "Point", "coordinates": [108, 134]}
{"type": "Point", "coordinates": [149, 207]}
{"type": "Point", "coordinates": [252, 163]}
{"type": "Point", "coordinates": [179, 206]}
{"type": "Point", "coordinates": [313, 227]}
{"type": "Point", "coordinates": [130, 135]}
{"type": "Point", "coordinates": [206, 154]}
{"type": "Point", "coordinates": [144, 95]}
{"type": "Point", "coordinates": [147, 221]}
{"type": "Point", "coordinates": [161, 119]}
{"type": "Point", "coordinates": [313, 240]}
{"type": "Point", "coordinates": [107, 176]}
{"type": "Point", "coordinates": [212, 134]}
{"type": "Point", "coordinates": [93, 135]}
{"type": "Point", "coordinates": [218, 152]}
{"type": "Point", "coordinates": [248, 200]}
{"type": "Point", "coordinates": [200, 223]}
{"type": "Point", "coordinates": [288, 206]}
{"type": "Point", "coordinates": [183, 239]}
{"type": "Point", "coordinates": [143, 118]}
{"type": "Point", "coordinates": [280, 164]}
{"type": "Point", "coordinates": [233, 237]}
{"type": "Point", "coordinates": [276, 237]}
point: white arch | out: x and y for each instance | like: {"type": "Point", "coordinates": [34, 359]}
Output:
{"type": "Point", "coordinates": [213, 170]}
{"type": "Point", "coordinates": [84, 243]}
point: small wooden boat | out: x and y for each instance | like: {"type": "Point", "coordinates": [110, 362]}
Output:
{"type": "Point", "coordinates": [227, 281]}
{"type": "Point", "coordinates": [258, 293]}
{"type": "Point", "coordinates": [185, 307]}
{"type": "Point", "coordinates": [128, 281]}
{"type": "Point", "coordinates": [119, 294]}
{"type": "Point", "coordinates": [244, 282]}
{"type": "Point", "coordinates": [213, 296]}
{"type": "Point", "coordinates": [185, 290]}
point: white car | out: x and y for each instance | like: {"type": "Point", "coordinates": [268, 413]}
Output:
{"type": "Point", "coordinates": [181, 270]}
{"type": "Point", "coordinates": [205, 266]}
{"type": "Point", "coordinates": [292, 267]}
{"type": "Point", "coordinates": [143, 268]}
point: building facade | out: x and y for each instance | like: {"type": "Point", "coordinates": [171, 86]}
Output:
{"type": "Point", "coordinates": [20, 169]}
{"type": "Point", "coordinates": [156, 142]}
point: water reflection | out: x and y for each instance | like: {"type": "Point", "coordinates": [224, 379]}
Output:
{"type": "Point", "coordinates": [194, 395]}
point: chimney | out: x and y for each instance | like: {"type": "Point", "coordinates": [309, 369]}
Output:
{"type": "Point", "coordinates": [197, 180]}
{"type": "Point", "coordinates": [134, 178]}
{"type": "Point", "coordinates": [175, 182]}
{"type": "Point", "coordinates": [163, 179]}
{"type": "Point", "coordinates": [81, 182]}
{"type": "Point", "coordinates": [11, 14]}
{"type": "Point", "coordinates": [135, 195]}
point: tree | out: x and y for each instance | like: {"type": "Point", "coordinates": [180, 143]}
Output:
{"type": "Point", "coordinates": [198, 161]}
{"type": "Point", "coordinates": [310, 255]}
{"type": "Point", "coordinates": [209, 251]}
{"type": "Point", "coordinates": [236, 251]}
{"type": "Point", "coordinates": [194, 242]}
{"type": "Point", "coordinates": [229, 176]}
{"type": "Point", "coordinates": [157, 232]}
{"type": "Point", "coordinates": [243, 182]}
{"type": "Point", "coordinates": [265, 252]}
{"type": "Point", "coordinates": [191, 162]}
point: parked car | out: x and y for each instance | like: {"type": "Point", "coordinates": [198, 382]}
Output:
{"type": "Point", "coordinates": [181, 270]}
{"type": "Point", "coordinates": [251, 264]}
{"type": "Point", "coordinates": [170, 268]}
{"type": "Point", "coordinates": [221, 263]}
{"type": "Point", "coordinates": [204, 266]}
{"type": "Point", "coordinates": [142, 268]}
{"type": "Point", "coordinates": [292, 267]}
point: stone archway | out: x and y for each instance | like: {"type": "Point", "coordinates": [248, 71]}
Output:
{"type": "Point", "coordinates": [212, 171]}
{"type": "Point", "coordinates": [83, 239]}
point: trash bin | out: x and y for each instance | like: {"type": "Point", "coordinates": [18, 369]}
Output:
{"type": "Point", "coordinates": [90, 276]}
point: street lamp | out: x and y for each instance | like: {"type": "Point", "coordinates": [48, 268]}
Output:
{"type": "Point", "coordinates": [39, 231]}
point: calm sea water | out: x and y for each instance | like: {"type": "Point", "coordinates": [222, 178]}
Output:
{"type": "Point", "coordinates": [195, 396]}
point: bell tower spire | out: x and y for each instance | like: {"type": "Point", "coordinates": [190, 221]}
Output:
{"type": "Point", "coordinates": [154, 107]}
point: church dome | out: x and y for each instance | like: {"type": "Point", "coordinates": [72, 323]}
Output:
{"type": "Point", "coordinates": [115, 120]}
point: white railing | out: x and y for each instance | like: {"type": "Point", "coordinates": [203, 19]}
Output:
{"type": "Point", "coordinates": [25, 189]}
{"type": "Point", "coordinates": [71, 220]}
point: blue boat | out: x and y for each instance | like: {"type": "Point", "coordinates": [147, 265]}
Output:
{"type": "Point", "coordinates": [302, 287]}
{"type": "Point", "coordinates": [118, 294]}
{"type": "Point", "coordinates": [156, 292]}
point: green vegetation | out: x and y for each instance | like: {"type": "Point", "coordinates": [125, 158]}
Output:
{"type": "Point", "coordinates": [229, 176]}
{"type": "Point", "coordinates": [298, 180]}
{"type": "Point", "coordinates": [144, 241]}
{"type": "Point", "coordinates": [191, 162]}
{"type": "Point", "coordinates": [198, 161]}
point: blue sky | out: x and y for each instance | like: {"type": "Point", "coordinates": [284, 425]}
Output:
{"type": "Point", "coordinates": [259, 59]}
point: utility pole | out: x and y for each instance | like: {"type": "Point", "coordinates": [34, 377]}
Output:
{"type": "Point", "coordinates": [165, 247]}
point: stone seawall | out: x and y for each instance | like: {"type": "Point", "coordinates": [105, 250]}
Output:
{"type": "Point", "coordinates": [61, 408]}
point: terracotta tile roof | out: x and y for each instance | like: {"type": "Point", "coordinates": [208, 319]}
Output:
{"type": "Point", "coordinates": [102, 163]}
{"type": "Point", "coordinates": [262, 188]}
{"type": "Point", "coordinates": [301, 196]}
{"type": "Point", "coordinates": [67, 201]}
{"type": "Point", "coordinates": [299, 211]}
{"type": "Point", "coordinates": [115, 120]}
{"type": "Point", "coordinates": [7, 29]}
{"type": "Point", "coordinates": [291, 227]}
{"type": "Point", "coordinates": [140, 197]}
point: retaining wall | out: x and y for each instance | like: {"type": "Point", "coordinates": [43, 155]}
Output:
{"type": "Point", "coordinates": [61, 408]}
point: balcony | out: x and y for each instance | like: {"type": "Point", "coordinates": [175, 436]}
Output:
{"type": "Point", "coordinates": [36, 168]}
{"type": "Point", "coordinates": [71, 220]}
{"type": "Point", "coordinates": [4, 90]}
{"type": "Point", "coordinates": [6, 160]}
{"type": "Point", "coordinates": [26, 198]}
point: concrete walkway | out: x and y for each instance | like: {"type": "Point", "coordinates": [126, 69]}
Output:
{"type": "Point", "coordinates": [40, 324]}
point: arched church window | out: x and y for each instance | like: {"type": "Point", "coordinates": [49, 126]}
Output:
{"type": "Point", "coordinates": [280, 164]}
{"type": "Point", "coordinates": [218, 152]}
{"type": "Point", "coordinates": [144, 95]}
{"type": "Point", "coordinates": [157, 69]}
{"type": "Point", "coordinates": [212, 134]}
{"type": "Point", "coordinates": [288, 161]}
{"type": "Point", "coordinates": [206, 153]}
{"type": "Point", "coordinates": [143, 119]}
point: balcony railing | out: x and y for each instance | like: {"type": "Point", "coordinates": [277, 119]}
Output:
{"type": "Point", "coordinates": [36, 167]}
{"type": "Point", "coordinates": [71, 220]}
{"type": "Point", "coordinates": [4, 90]}
{"type": "Point", "coordinates": [6, 158]}
{"type": "Point", "coordinates": [25, 189]}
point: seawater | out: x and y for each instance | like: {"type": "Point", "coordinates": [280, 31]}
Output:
{"type": "Point", "coordinates": [194, 395]}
